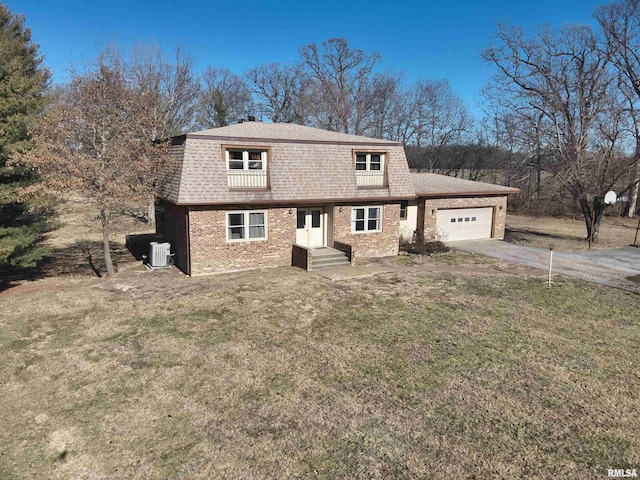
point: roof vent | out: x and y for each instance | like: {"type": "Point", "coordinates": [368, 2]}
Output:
{"type": "Point", "coordinates": [251, 118]}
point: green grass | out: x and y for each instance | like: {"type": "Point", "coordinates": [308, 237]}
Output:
{"type": "Point", "coordinates": [281, 374]}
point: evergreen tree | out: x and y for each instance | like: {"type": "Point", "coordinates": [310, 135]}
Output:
{"type": "Point", "coordinates": [23, 79]}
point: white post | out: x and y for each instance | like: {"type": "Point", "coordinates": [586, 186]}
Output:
{"type": "Point", "coordinates": [550, 263]}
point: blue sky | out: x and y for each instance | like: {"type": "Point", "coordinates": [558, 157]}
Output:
{"type": "Point", "coordinates": [429, 39]}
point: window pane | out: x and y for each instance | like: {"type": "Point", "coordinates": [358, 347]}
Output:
{"type": "Point", "coordinates": [361, 162]}
{"type": "Point", "coordinates": [359, 213]}
{"type": "Point", "coordinates": [256, 232]}
{"type": "Point", "coordinates": [359, 225]}
{"type": "Point", "coordinates": [453, 220]}
{"type": "Point", "coordinates": [255, 165]}
{"type": "Point", "coordinates": [373, 225]}
{"type": "Point", "coordinates": [374, 213]}
{"type": "Point", "coordinates": [466, 219]}
{"type": "Point", "coordinates": [255, 155]}
{"type": "Point", "coordinates": [236, 219]}
{"type": "Point", "coordinates": [236, 233]}
{"type": "Point", "coordinates": [315, 218]}
{"type": "Point", "coordinates": [460, 219]}
{"type": "Point", "coordinates": [235, 154]}
{"type": "Point", "coordinates": [302, 218]}
{"type": "Point", "coordinates": [256, 219]}
{"type": "Point", "coordinates": [375, 163]}
{"type": "Point", "coordinates": [473, 219]}
{"type": "Point", "coordinates": [236, 165]}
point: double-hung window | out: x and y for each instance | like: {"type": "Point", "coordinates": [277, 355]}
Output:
{"type": "Point", "coordinates": [246, 159]}
{"type": "Point", "coordinates": [403, 209]}
{"type": "Point", "coordinates": [366, 219]}
{"type": "Point", "coordinates": [246, 226]}
{"type": "Point", "coordinates": [369, 161]}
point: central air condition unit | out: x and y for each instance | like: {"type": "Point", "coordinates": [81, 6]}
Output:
{"type": "Point", "coordinates": [159, 254]}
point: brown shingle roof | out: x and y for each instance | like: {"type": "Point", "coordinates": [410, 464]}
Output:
{"type": "Point", "coordinates": [434, 185]}
{"type": "Point", "coordinates": [306, 164]}
{"type": "Point", "coordinates": [285, 132]}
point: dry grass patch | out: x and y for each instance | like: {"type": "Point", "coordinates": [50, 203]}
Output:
{"type": "Point", "coordinates": [281, 374]}
{"type": "Point", "coordinates": [568, 234]}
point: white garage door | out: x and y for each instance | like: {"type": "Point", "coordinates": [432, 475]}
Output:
{"type": "Point", "coordinates": [464, 223]}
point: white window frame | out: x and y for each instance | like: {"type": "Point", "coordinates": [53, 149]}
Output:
{"type": "Point", "coordinates": [368, 161]}
{"type": "Point", "coordinates": [366, 219]}
{"type": "Point", "coordinates": [247, 226]}
{"type": "Point", "coordinates": [245, 158]}
{"type": "Point", "coordinates": [405, 204]}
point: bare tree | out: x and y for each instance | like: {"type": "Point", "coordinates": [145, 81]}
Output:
{"type": "Point", "coordinates": [225, 98]}
{"type": "Point", "coordinates": [279, 91]}
{"type": "Point", "coordinates": [564, 77]}
{"type": "Point", "coordinates": [341, 85]}
{"type": "Point", "coordinates": [620, 23]}
{"type": "Point", "coordinates": [441, 118]}
{"type": "Point", "coordinates": [172, 90]}
{"type": "Point", "coordinates": [170, 85]}
{"type": "Point", "coordinates": [95, 140]}
{"type": "Point", "coordinates": [387, 101]}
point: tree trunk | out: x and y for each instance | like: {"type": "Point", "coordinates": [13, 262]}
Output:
{"type": "Point", "coordinates": [633, 194]}
{"type": "Point", "coordinates": [592, 217]}
{"type": "Point", "coordinates": [104, 217]}
{"type": "Point", "coordinates": [633, 200]}
{"type": "Point", "coordinates": [151, 211]}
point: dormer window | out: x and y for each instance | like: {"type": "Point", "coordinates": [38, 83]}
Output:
{"type": "Point", "coordinates": [247, 167]}
{"type": "Point", "coordinates": [370, 169]}
{"type": "Point", "coordinates": [246, 159]}
{"type": "Point", "coordinates": [369, 161]}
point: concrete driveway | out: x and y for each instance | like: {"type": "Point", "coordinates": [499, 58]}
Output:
{"type": "Point", "coordinates": [617, 267]}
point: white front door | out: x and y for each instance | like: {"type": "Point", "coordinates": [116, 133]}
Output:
{"type": "Point", "coordinates": [310, 231]}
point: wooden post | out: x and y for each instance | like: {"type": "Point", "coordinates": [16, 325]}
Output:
{"type": "Point", "coordinates": [550, 262]}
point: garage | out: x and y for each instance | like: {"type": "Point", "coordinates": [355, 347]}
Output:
{"type": "Point", "coordinates": [451, 209]}
{"type": "Point", "coordinates": [464, 223]}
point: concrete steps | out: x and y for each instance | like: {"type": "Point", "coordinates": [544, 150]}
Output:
{"type": "Point", "coordinates": [326, 257]}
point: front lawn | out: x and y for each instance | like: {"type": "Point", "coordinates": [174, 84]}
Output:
{"type": "Point", "coordinates": [434, 371]}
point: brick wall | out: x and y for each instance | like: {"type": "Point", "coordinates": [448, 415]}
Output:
{"type": "Point", "coordinates": [374, 244]}
{"type": "Point", "coordinates": [211, 252]}
{"type": "Point", "coordinates": [436, 203]}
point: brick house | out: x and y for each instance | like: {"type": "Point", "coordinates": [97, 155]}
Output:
{"type": "Point", "coordinates": [265, 194]}
{"type": "Point", "coordinates": [452, 209]}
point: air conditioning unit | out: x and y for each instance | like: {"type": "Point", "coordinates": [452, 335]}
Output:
{"type": "Point", "coordinates": [159, 254]}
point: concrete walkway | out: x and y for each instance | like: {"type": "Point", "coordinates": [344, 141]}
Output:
{"type": "Point", "coordinates": [618, 268]}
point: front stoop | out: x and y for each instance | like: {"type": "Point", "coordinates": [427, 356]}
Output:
{"type": "Point", "coordinates": [327, 257]}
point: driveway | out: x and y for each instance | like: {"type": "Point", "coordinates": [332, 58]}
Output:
{"type": "Point", "coordinates": [618, 268]}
